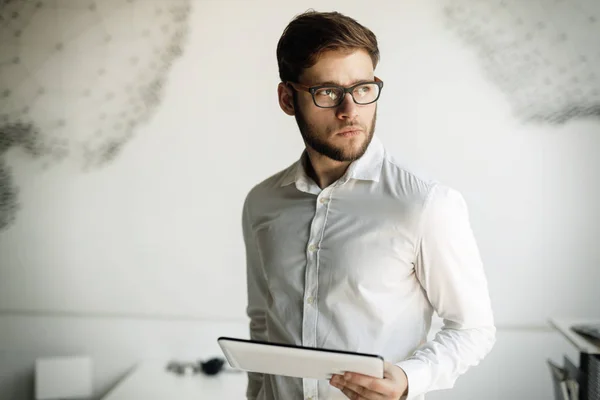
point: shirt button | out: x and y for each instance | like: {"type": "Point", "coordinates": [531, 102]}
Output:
{"type": "Point", "coordinates": [324, 200]}
{"type": "Point", "coordinates": [312, 248]}
{"type": "Point", "coordinates": [310, 300]}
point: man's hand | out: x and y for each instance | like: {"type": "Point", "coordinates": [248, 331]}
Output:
{"type": "Point", "coordinates": [355, 386]}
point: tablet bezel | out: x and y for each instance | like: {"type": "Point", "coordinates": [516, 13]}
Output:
{"type": "Point", "coordinates": [293, 346]}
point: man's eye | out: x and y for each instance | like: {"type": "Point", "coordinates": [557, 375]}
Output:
{"type": "Point", "coordinates": [332, 93]}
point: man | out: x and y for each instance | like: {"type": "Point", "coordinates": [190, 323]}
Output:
{"type": "Point", "coordinates": [346, 249]}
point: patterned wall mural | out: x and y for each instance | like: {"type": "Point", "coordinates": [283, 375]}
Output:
{"type": "Point", "coordinates": [78, 77]}
{"type": "Point", "coordinates": [544, 55]}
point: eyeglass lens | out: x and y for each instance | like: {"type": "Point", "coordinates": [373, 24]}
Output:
{"type": "Point", "coordinates": [332, 96]}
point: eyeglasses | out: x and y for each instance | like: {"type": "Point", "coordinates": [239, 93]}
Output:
{"type": "Point", "coordinates": [329, 96]}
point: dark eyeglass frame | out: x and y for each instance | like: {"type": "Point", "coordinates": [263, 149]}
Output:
{"type": "Point", "coordinates": [313, 89]}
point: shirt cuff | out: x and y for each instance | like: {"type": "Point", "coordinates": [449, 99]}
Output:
{"type": "Point", "coordinates": [418, 375]}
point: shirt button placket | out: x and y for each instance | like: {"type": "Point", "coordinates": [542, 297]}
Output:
{"type": "Point", "coordinates": [309, 325]}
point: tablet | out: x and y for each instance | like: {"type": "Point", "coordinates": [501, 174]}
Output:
{"type": "Point", "coordinates": [297, 361]}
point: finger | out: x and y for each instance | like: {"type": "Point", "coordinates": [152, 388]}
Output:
{"type": "Point", "coordinates": [363, 392]}
{"type": "Point", "coordinates": [339, 382]}
{"type": "Point", "coordinates": [377, 385]}
{"type": "Point", "coordinates": [352, 395]}
{"type": "Point", "coordinates": [355, 390]}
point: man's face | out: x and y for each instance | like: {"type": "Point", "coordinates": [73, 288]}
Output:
{"type": "Point", "coordinates": [321, 128]}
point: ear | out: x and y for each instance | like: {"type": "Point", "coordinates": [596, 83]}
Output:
{"type": "Point", "coordinates": [286, 101]}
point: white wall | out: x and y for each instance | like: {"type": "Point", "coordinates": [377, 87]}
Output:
{"type": "Point", "coordinates": [143, 256]}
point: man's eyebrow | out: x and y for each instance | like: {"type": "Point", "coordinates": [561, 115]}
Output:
{"type": "Point", "coordinates": [338, 84]}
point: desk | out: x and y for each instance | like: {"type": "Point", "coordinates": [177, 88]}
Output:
{"type": "Point", "coordinates": [151, 381]}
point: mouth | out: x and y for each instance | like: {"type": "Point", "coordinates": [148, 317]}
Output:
{"type": "Point", "coordinates": [349, 132]}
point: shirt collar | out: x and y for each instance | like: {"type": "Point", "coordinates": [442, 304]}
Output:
{"type": "Point", "coordinates": [367, 167]}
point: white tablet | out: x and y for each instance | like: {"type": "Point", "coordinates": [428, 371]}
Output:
{"type": "Point", "coordinates": [297, 361]}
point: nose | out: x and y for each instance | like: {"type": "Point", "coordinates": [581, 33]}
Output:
{"type": "Point", "coordinates": [348, 109]}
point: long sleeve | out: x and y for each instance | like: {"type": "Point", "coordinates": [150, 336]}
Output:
{"type": "Point", "coordinates": [257, 294]}
{"type": "Point", "coordinates": [450, 269]}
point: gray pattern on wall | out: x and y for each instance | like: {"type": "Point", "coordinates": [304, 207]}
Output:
{"type": "Point", "coordinates": [78, 77]}
{"type": "Point", "coordinates": [544, 55]}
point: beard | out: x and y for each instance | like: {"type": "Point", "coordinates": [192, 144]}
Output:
{"type": "Point", "coordinates": [316, 138]}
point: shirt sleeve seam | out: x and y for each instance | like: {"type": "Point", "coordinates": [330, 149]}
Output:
{"type": "Point", "coordinates": [423, 217]}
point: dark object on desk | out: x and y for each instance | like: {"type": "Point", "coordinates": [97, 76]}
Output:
{"type": "Point", "coordinates": [210, 367]}
{"type": "Point", "coordinates": [588, 330]}
{"type": "Point", "coordinates": [182, 368]}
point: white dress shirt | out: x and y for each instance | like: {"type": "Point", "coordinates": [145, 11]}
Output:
{"type": "Point", "coordinates": [361, 266]}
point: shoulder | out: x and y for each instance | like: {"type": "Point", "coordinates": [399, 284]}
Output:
{"type": "Point", "coordinates": [421, 189]}
{"type": "Point", "coordinates": [266, 188]}
{"type": "Point", "coordinates": [406, 180]}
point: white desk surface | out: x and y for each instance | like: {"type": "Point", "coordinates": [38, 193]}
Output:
{"type": "Point", "coordinates": [150, 380]}
{"type": "Point", "coordinates": [563, 325]}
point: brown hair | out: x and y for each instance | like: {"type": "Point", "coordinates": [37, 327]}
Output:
{"type": "Point", "coordinates": [312, 33]}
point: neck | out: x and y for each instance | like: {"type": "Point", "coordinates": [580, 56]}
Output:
{"type": "Point", "coordinates": [323, 170]}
